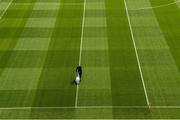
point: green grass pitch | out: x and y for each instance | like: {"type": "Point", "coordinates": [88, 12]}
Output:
{"type": "Point", "coordinates": [129, 51]}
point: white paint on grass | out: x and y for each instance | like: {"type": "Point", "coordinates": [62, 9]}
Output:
{"type": "Point", "coordinates": [4, 11]}
{"type": "Point", "coordinates": [47, 3]}
{"type": "Point", "coordinates": [80, 52]}
{"type": "Point", "coordinates": [77, 93]}
{"type": "Point", "coordinates": [159, 6]}
{"type": "Point", "coordinates": [82, 32]}
{"type": "Point", "coordinates": [26, 78]}
{"type": "Point", "coordinates": [92, 107]}
{"type": "Point", "coordinates": [137, 56]}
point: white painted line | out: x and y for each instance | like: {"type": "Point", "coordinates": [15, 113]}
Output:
{"type": "Point", "coordinates": [82, 32]}
{"type": "Point", "coordinates": [80, 52]}
{"type": "Point", "coordinates": [128, 107]}
{"type": "Point", "coordinates": [160, 6]}
{"type": "Point", "coordinates": [77, 93]}
{"type": "Point", "coordinates": [92, 107]}
{"type": "Point", "coordinates": [5, 9]}
{"type": "Point", "coordinates": [48, 3]}
{"type": "Point", "coordinates": [137, 57]}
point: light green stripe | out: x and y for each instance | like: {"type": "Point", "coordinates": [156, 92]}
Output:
{"type": "Point", "coordinates": [40, 22]}
{"type": "Point", "coordinates": [46, 6]}
{"type": "Point", "coordinates": [95, 5]}
{"type": "Point", "coordinates": [39, 6]}
{"type": "Point", "coordinates": [19, 78]}
{"type": "Point", "coordinates": [99, 43]}
{"type": "Point", "coordinates": [96, 82]}
{"type": "Point", "coordinates": [95, 22]}
{"type": "Point", "coordinates": [137, 4]}
{"type": "Point", "coordinates": [33, 44]}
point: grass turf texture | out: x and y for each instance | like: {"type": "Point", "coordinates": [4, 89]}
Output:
{"type": "Point", "coordinates": [40, 46]}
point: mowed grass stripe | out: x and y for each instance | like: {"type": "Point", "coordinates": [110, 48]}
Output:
{"type": "Point", "coordinates": [55, 86]}
{"type": "Point", "coordinates": [126, 82]}
{"type": "Point", "coordinates": [37, 13]}
{"type": "Point", "coordinates": [41, 13]}
{"type": "Point", "coordinates": [137, 55]}
{"type": "Point", "coordinates": [39, 6]}
{"type": "Point", "coordinates": [171, 32]}
{"type": "Point", "coordinates": [96, 84]}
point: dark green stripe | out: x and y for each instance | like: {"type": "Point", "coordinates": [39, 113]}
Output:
{"type": "Point", "coordinates": [126, 83]}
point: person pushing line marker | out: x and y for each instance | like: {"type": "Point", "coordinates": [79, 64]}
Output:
{"type": "Point", "coordinates": [79, 75]}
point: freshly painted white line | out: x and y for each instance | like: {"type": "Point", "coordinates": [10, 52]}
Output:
{"type": "Point", "coordinates": [129, 107]}
{"type": "Point", "coordinates": [137, 56]}
{"type": "Point", "coordinates": [160, 6]}
{"type": "Point", "coordinates": [92, 107]}
{"type": "Point", "coordinates": [82, 33]}
{"type": "Point", "coordinates": [77, 93]}
{"type": "Point", "coordinates": [5, 9]}
{"type": "Point", "coordinates": [80, 52]}
{"type": "Point", "coordinates": [48, 3]}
